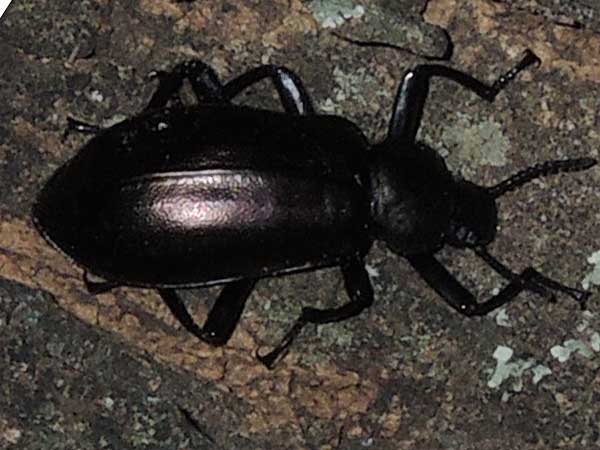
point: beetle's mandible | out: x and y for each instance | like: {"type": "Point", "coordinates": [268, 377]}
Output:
{"type": "Point", "coordinates": [190, 196]}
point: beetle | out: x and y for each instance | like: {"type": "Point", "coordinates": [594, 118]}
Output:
{"type": "Point", "coordinates": [183, 196]}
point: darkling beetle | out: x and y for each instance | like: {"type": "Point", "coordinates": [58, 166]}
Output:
{"type": "Point", "coordinates": [216, 193]}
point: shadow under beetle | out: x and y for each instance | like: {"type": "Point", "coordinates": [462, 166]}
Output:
{"type": "Point", "coordinates": [216, 193]}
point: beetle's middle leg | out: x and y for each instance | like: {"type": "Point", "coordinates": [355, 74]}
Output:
{"type": "Point", "coordinates": [222, 318]}
{"type": "Point", "coordinates": [359, 289]}
{"type": "Point", "coordinates": [289, 86]}
{"type": "Point", "coordinates": [412, 93]}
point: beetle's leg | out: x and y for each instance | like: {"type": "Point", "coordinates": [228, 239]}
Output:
{"type": "Point", "coordinates": [80, 127]}
{"type": "Point", "coordinates": [227, 310]}
{"type": "Point", "coordinates": [97, 287]}
{"type": "Point", "coordinates": [536, 277]}
{"type": "Point", "coordinates": [413, 91]}
{"type": "Point", "coordinates": [360, 291]}
{"type": "Point", "coordinates": [292, 94]}
{"type": "Point", "coordinates": [222, 318]}
{"type": "Point", "coordinates": [457, 296]}
{"type": "Point", "coordinates": [202, 77]}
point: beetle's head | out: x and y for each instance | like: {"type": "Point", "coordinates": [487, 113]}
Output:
{"type": "Point", "coordinates": [475, 217]}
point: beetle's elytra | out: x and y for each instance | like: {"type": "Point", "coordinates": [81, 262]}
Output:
{"type": "Point", "coordinates": [187, 196]}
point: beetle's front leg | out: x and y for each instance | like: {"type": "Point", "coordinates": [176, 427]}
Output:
{"type": "Point", "coordinates": [292, 94]}
{"type": "Point", "coordinates": [535, 277]}
{"type": "Point", "coordinates": [457, 296]}
{"type": "Point", "coordinates": [222, 318]}
{"type": "Point", "coordinates": [412, 93]}
{"type": "Point", "coordinates": [360, 291]}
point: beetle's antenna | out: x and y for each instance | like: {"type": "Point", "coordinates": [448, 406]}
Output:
{"type": "Point", "coordinates": [540, 170]}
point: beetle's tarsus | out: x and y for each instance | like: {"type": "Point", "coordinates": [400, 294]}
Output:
{"type": "Point", "coordinates": [576, 294]}
{"type": "Point", "coordinates": [359, 289]}
{"type": "Point", "coordinates": [271, 359]}
{"type": "Point", "coordinates": [529, 58]}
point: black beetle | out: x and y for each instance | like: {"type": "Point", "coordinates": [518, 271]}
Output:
{"type": "Point", "coordinates": [187, 196]}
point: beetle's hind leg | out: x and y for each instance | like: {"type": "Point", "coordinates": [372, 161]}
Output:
{"type": "Point", "coordinates": [222, 318]}
{"type": "Point", "coordinates": [203, 79]}
{"type": "Point", "coordinates": [360, 291]}
{"type": "Point", "coordinates": [80, 127]}
{"type": "Point", "coordinates": [289, 86]}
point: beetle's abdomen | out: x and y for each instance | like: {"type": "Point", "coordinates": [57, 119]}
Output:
{"type": "Point", "coordinates": [202, 195]}
{"type": "Point", "coordinates": [208, 226]}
